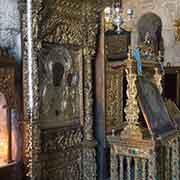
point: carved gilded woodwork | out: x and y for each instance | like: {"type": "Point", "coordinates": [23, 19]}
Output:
{"type": "Point", "coordinates": [177, 25]}
{"type": "Point", "coordinates": [132, 109]}
{"type": "Point", "coordinates": [65, 22]}
{"type": "Point", "coordinates": [74, 22]}
{"type": "Point", "coordinates": [71, 172]}
{"type": "Point", "coordinates": [62, 21]}
{"type": "Point", "coordinates": [114, 96]}
{"type": "Point", "coordinates": [125, 151]}
{"type": "Point", "coordinates": [63, 147]}
{"type": "Point", "coordinates": [81, 30]}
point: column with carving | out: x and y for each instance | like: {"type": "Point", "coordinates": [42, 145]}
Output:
{"type": "Point", "coordinates": [36, 8]}
{"type": "Point", "coordinates": [29, 28]}
{"type": "Point", "coordinates": [89, 143]}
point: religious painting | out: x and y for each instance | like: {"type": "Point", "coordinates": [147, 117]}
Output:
{"type": "Point", "coordinates": [60, 85]}
{"type": "Point", "coordinates": [153, 107]}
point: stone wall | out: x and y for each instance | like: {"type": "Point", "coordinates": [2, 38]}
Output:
{"type": "Point", "coordinates": [10, 27]}
{"type": "Point", "coordinates": [168, 11]}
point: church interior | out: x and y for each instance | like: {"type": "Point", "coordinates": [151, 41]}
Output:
{"type": "Point", "coordinates": [89, 89]}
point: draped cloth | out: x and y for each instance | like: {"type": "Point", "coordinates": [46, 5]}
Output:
{"type": "Point", "coordinates": [137, 58]}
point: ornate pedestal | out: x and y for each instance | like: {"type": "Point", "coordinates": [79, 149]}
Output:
{"type": "Point", "coordinates": [149, 150]}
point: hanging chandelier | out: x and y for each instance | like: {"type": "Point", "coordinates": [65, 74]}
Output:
{"type": "Point", "coordinates": [114, 15]}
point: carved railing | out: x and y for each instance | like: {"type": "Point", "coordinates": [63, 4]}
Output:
{"type": "Point", "coordinates": [144, 159]}
{"type": "Point", "coordinates": [139, 155]}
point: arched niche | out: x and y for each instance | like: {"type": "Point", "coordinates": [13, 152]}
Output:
{"type": "Point", "coordinates": [150, 22]}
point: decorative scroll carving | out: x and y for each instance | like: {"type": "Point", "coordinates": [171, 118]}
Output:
{"type": "Point", "coordinates": [71, 172]}
{"type": "Point", "coordinates": [63, 148]}
{"type": "Point", "coordinates": [89, 162]}
{"type": "Point", "coordinates": [114, 97]}
{"type": "Point", "coordinates": [60, 139]}
{"type": "Point", "coordinates": [89, 52]}
{"type": "Point", "coordinates": [62, 22]}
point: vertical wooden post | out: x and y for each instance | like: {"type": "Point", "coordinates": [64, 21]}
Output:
{"type": "Point", "coordinates": [121, 168]}
{"type": "Point", "coordinates": [152, 175]}
{"type": "Point", "coordinates": [114, 165]}
{"type": "Point", "coordinates": [143, 161]}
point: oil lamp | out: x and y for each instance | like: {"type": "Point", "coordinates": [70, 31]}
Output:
{"type": "Point", "coordinates": [114, 16]}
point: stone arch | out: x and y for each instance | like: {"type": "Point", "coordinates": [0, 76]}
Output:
{"type": "Point", "coordinates": [152, 23]}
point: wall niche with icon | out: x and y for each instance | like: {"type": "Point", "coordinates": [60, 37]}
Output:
{"type": "Point", "coordinates": [150, 35]}
{"type": "Point", "coordinates": [60, 85]}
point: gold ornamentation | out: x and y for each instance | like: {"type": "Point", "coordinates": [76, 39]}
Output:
{"type": "Point", "coordinates": [177, 25]}
{"type": "Point", "coordinates": [132, 130]}
{"type": "Point", "coordinates": [62, 146]}
{"type": "Point", "coordinates": [114, 97]}
{"type": "Point", "coordinates": [74, 22]}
